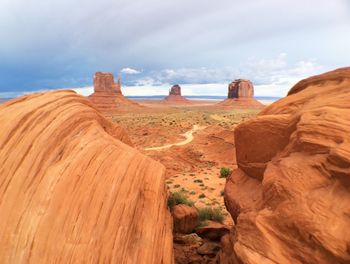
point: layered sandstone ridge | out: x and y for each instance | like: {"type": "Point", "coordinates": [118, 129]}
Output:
{"type": "Point", "coordinates": [108, 97]}
{"type": "Point", "coordinates": [73, 191]}
{"type": "Point", "coordinates": [241, 95]}
{"type": "Point", "coordinates": [290, 196]}
{"type": "Point", "coordinates": [175, 96]}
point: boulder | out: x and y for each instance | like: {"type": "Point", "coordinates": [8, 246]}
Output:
{"type": "Point", "coordinates": [209, 248]}
{"type": "Point", "coordinates": [188, 239]}
{"type": "Point", "coordinates": [185, 218]}
{"type": "Point", "coordinates": [290, 196]}
{"type": "Point", "coordinates": [212, 230]}
{"type": "Point", "coordinates": [72, 188]}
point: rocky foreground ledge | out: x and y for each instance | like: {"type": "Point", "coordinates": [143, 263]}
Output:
{"type": "Point", "coordinates": [73, 191]}
{"type": "Point", "coordinates": [290, 196]}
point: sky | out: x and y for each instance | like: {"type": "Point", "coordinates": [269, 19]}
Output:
{"type": "Point", "coordinates": [200, 44]}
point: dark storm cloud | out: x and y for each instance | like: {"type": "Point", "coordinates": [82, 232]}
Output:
{"type": "Point", "coordinates": [51, 44]}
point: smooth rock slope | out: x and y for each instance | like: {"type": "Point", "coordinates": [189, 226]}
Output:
{"type": "Point", "coordinates": [73, 190]}
{"type": "Point", "coordinates": [290, 196]}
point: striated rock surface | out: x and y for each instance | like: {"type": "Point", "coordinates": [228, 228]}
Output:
{"type": "Point", "coordinates": [290, 196]}
{"type": "Point", "coordinates": [175, 96]}
{"type": "Point", "coordinates": [240, 89]}
{"type": "Point", "coordinates": [72, 189]}
{"type": "Point", "coordinates": [185, 218]}
{"type": "Point", "coordinates": [108, 97]}
{"type": "Point", "coordinates": [241, 95]}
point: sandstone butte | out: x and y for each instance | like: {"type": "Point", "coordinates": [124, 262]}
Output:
{"type": "Point", "coordinates": [290, 196]}
{"type": "Point", "coordinates": [108, 96]}
{"type": "Point", "coordinates": [73, 190]}
{"type": "Point", "coordinates": [241, 95]}
{"type": "Point", "coordinates": [175, 96]}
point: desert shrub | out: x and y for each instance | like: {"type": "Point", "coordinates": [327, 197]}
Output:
{"type": "Point", "coordinates": [178, 198]}
{"type": "Point", "coordinates": [192, 192]}
{"type": "Point", "coordinates": [224, 172]}
{"type": "Point", "coordinates": [177, 185]}
{"type": "Point", "coordinates": [202, 195]}
{"type": "Point", "coordinates": [198, 181]}
{"type": "Point", "coordinates": [210, 213]}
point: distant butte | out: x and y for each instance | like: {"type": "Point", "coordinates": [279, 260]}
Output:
{"type": "Point", "coordinates": [108, 96]}
{"type": "Point", "coordinates": [175, 96]}
{"type": "Point", "coordinates": [241, 95]}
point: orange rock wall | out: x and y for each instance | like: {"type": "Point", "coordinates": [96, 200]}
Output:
{"type": "Point", "coordinates": [290, 196]}
{"type": "Point", "coordinates": [73, 190]}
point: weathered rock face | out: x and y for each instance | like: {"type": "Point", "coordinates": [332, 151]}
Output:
{"type": "Point", "coordinates": [185, 218]}
{"type": "Point", "coordinates": [108, 97]}
{"type": "Point", "coordinates": [241, 95]}
{"type": "Point", "coordinates": [175, 96]}
{"type": "Point", "coordinates": [240, 89]}
{"type": "Point", "coordinates": [290, 196]}
{"type": "Point", "coordinates": [175, 90]}
{"type": "Point", "coordinates": [73, 191]}
{"type": "Point", "coordinates": [104, 82]}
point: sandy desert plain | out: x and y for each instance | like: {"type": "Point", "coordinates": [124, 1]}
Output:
{"type": "Point", "coordinates": [192, 166]}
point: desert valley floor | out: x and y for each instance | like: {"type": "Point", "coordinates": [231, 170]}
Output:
{"type": "Point", "coordinates": [192, 166]}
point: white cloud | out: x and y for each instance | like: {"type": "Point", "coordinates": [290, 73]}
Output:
{"type": "Point", "coordinates": [129, 71]}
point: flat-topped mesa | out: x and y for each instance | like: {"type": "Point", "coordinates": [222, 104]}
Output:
{"type": "Point", "coordinates": [175, 96]}
{"type": "Point", "coordinates": [241, 95]}
{"type": "Point", "coordinates": [108, 96]}
{"type": "Point", "coordinates": [240, 89]}
{"type": "Point", "coordinates": [104, 82]}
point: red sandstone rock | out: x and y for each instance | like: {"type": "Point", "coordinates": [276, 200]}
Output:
{"type": "Point", "coordinates": [240, 89]}
{"type": "Point", "coordinates": [175, 96]}
{"type": "Point", "coordinates": [73, 191]}
{"type": "Point", "coordinates": [108, 97]}
{"type": "Point", "coordinates": [212, 230]}
{"type": "Point", "coordinates": [185, 218]}
{"type": "Point", "coordinates": [290, 196]}
{"type": "Point", "coordinates": [175, 90]}
{"type": "Point", "coordinates": [104, 82]}
{"type": "Point", "coordinates": [241, 95]}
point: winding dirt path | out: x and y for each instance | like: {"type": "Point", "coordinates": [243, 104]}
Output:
{"type": "Point", "coordinates": [188, 138]}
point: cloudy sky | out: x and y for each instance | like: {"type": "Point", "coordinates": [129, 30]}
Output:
{"type": "Point", "coordinates": [200, 44]}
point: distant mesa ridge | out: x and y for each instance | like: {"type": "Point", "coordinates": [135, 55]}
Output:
{"type": "Point", "coordinates": [108, 96]}
{"type": "Point", "coordinates": [104, 82]}
{"type": "Point", "coordinates": [175, 90]}
{"type": "Point", "coordinates": [241, 95]}
{"type": "Point", "coordinates": [175, 96]}
{"type": "Point", "coordinates": [240, 88]}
